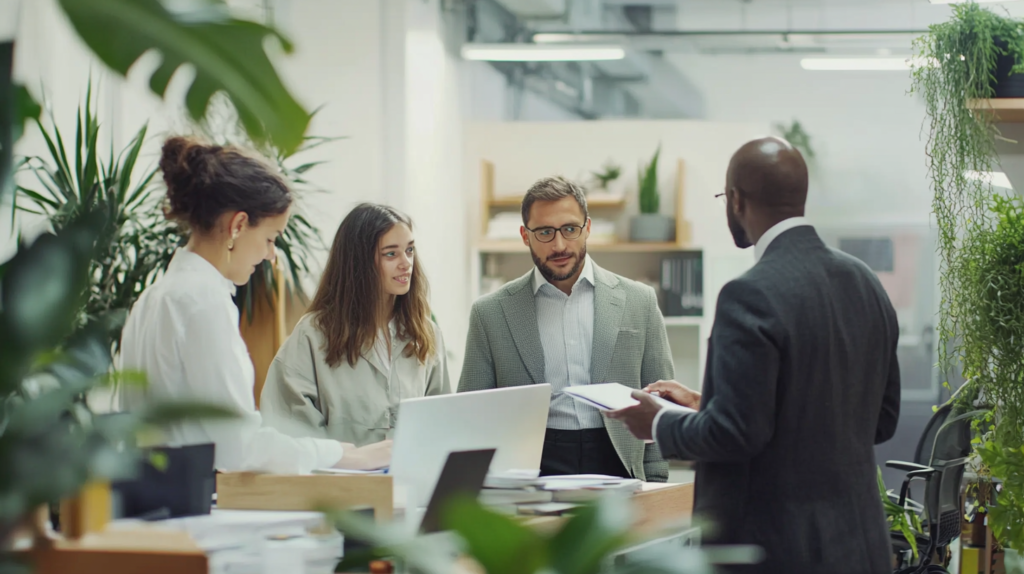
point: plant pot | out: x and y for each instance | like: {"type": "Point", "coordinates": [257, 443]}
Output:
{"type": "Point", "coordinates": [1013, 562]}
{"type": "Point", "coordinates": [1007, 85]}
{"type": "Point", "coordinates": [652, 227]}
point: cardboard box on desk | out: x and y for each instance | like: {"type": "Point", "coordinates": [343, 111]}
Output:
{"type": "Point", "coordinates": [252, 491]}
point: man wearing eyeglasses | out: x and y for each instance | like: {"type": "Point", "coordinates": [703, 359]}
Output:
{"type": "Point", "coordinates": [569, 322]}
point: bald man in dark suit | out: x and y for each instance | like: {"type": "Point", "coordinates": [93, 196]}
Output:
{"type": "Point", "coordinates": [801, 383]}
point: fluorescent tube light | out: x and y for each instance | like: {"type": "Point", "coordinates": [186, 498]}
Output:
{"type": "Point", "coordinates": [860, 64]}
{"type": "Point", "coordinates": [995, 178]}
{"type": "Point", "coordinates": [541, 53]}
{"type": "Point", "coordinates": [564, 38]}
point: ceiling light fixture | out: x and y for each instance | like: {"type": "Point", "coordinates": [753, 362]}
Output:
{"type": "Point", "coordinates": [541, 53]}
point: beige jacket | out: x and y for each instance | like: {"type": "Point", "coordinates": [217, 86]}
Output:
{"type": "Point", "coordinates": [304, 397]}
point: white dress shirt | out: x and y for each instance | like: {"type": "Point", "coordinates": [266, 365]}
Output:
{"type": "Point", "coordinates": [759, 248]}
{"type": "Point", "coordinates": [183, 333]}
{"type": "Point", "coordinates": [566, 325]}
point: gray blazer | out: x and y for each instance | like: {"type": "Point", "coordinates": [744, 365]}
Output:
{"type": "Point", "coordinates": [630, 346]}
{"type": "Point", "coordinates": [801, 383]}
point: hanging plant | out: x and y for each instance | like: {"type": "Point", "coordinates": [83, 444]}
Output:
{"type": "Point", "coordinates": [981, 233]}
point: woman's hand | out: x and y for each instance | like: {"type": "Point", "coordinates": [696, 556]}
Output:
{"type": "Point", "coordinates": [676, 393]}
{"type": "Point", "coordinates": [369, 457]}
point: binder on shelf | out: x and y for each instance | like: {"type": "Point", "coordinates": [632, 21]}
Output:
{"type": "Point", "coordinates": [682, 284]}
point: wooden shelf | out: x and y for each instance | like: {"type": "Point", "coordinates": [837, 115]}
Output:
{"type": "Point", "coordinates": [687, 321]}
{"type": "Point", "coordinates": [489, 201]}
{"type": "Point", "coordinates": [592, 202]}
{"type": "Point", "coordinates": [1009, 110]}
{"type": "Point", "coordinates": [592, 247]}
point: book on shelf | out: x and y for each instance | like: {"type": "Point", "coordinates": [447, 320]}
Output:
{"type": "Point", "coordinates": [682, 284]}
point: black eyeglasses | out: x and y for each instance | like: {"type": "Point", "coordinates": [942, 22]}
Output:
{"type": "Point", "coordinates": [721, 197]}
{"type": "Point", "coordinates": [547, 234]}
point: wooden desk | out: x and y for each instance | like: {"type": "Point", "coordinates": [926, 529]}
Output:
{"type": "Point", "coordinates": [657, 504]}
{"type": "Point", "coordinates": [249, 491]}
{"type": "Point", "coordinates": [121, 552]}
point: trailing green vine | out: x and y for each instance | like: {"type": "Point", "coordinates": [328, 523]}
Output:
{"type": "Point", "coordinates": [981, 233]}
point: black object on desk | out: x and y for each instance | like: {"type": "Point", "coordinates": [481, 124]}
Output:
{"type": "Point", "coordinates": [184, 488]}
{"type": "Point", "coordinates": [463, 475]}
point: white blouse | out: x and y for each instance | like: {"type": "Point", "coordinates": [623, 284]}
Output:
{"type": "Point", "coordinates": [183, 333]}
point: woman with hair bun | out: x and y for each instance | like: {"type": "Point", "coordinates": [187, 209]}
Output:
{"type": "Point", "coordinates": [183, 331]}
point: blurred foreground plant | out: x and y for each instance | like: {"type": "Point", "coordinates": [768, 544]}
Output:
{"type": "Point", "coordinates": [587, 542]}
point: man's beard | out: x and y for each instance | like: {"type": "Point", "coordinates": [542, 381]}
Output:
{"type": "Point", "coordinates": [550, 274]}
{"type": "Point", "coordinates": [739, 236]}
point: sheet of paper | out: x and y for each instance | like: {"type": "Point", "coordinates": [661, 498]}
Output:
{"type": "Point", "coordinates": [612, 396]}
{"type": "Point", "coordinates": [345, 471]}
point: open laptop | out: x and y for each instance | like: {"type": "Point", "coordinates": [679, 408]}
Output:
{"type": "Point", "coordinates": [510, 420]}
{"type": "Point", "coordinates": [462, 476]}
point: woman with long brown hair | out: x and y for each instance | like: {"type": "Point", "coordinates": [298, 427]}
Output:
{"type": "Point", "coordinates": [367, 342]}
{"type": "Point", "coordinates": [183, 330]}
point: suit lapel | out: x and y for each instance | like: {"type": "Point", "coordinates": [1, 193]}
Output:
{"type": "Point", "coordinates": [521, 316]}
{"type": "Point", "coordinates": [608, 308]}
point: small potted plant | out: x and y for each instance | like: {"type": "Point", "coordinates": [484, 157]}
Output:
{"type": "Point", "coordinates": [609, 174]}
{"type": "Point", "coordinates": [650, 225]}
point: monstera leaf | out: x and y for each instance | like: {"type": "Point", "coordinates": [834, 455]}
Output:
{"type": "Point", "coordinates": [227, 55]}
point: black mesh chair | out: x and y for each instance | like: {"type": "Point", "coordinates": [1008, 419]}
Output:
{"type": "Point", "coordinates": [940, 458]}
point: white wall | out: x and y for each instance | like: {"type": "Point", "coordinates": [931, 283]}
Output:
{"type": "Point", "coordinates": [865, 130]}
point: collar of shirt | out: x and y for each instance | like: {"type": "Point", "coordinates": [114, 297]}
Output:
{"type": "Point", "coordinates": [186, 260]}
{"type": "Point", "coordinates": [775, 231]}
{"type": "Point", "coordinates": [586, 273]}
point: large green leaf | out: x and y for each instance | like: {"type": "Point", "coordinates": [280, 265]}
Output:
{"type": "Point", "coordinates": [591, 534]}
{"type": "Point", "coordinates": [41, 294]}
{"type": "Point", "coordinates": [161, 414]}
{"type": "Point", "coordinates": [227, 54]}
{"type": "Point", "coordinates": [494, 540]}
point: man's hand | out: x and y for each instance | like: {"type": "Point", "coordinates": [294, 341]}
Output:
{"type": "Point", "coordinates": [369, 457]}
{"type": "Point", "coordinates": [639, 419]}
{"type": "Point", "coordinates": [676, 393]}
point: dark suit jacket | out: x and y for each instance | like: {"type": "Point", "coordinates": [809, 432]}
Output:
{"type": "Point", "coordinates": [801, 382]}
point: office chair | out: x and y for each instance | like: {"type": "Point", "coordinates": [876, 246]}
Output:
{"type": "Point", "coordinates": [940, 458]}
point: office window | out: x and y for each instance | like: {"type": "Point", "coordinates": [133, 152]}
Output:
{"type": "Point", "coordinates": [875, 252]}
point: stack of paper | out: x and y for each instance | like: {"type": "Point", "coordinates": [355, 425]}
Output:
{"type": "Point", "coordinates": [581, 487]}
{"type": "Point", "coordinates": [244, 541]}
{"type": "Point", "coordinates": [512, 479]}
